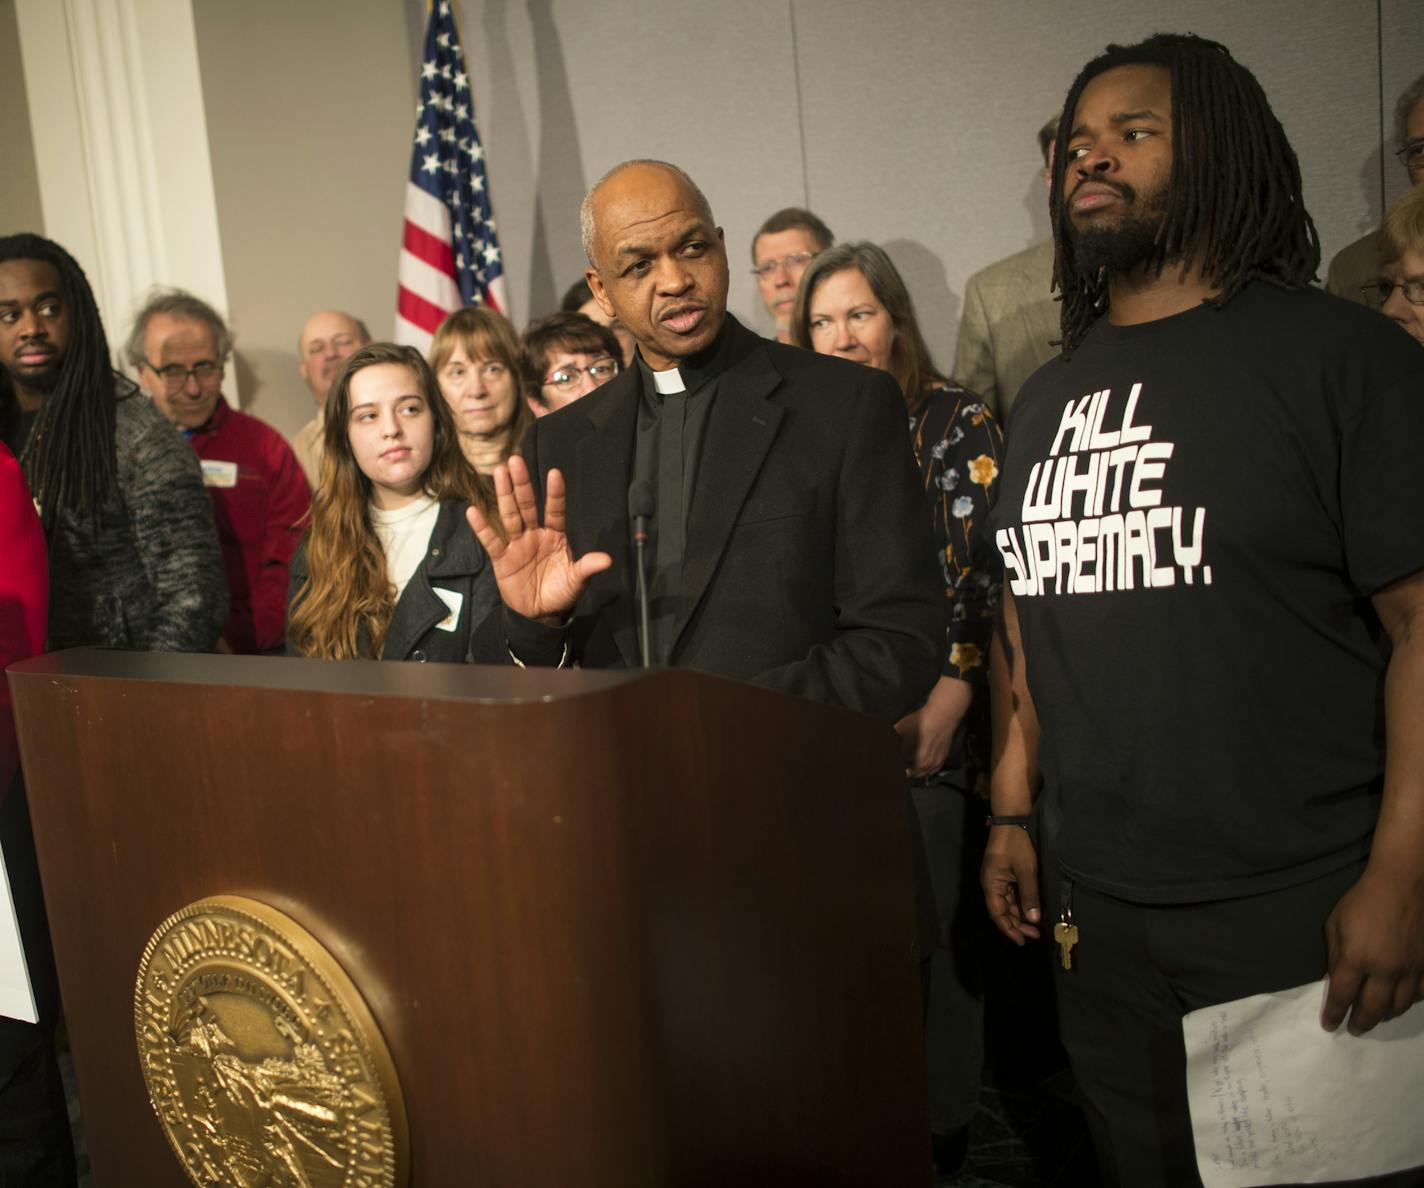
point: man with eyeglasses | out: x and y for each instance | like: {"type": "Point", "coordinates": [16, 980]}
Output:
{"type": "Point", "coordinates": [1357, 265]}
{"type": "Point", "coordinates": [781, 249]}
{"type": "Point", "coordinates": [565, 356]}
{"type": "Point", "coordinates": [179, 345]}
{"type": "Point", "coordinates": [323, 345]}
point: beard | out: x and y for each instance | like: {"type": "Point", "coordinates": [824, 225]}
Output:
{"type": "Point", "coordinates": [44, 382]}
{"type": "Point", "coordinates": [37, 383]}
{"type": "Point", "coordinates": [1121, 246]}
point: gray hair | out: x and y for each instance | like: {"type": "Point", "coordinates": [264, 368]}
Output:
{"type": "Point", "coordinates": [175, 303]}
{"type": "Point", "coordinates": [1412, 97]}
{"type": "Point", "coordinates": [586, 206]}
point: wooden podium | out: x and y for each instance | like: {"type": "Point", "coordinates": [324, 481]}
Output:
{"type": "Point", "coordinates": [617, 928]}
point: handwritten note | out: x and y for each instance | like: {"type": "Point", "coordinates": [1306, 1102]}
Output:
{"type": "Point", "coordinates": [1277, 1100]}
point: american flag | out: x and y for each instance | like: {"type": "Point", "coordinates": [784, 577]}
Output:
{"type": "Point", "coordinates": [449, 251]}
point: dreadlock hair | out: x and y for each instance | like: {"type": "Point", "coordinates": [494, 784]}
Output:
{"type": "Point", "coordinates": [1234, 205]}
{"type": "Point", "coordinates": [348, 590]}
{"type": "Point", "coordinates": [69, 460]}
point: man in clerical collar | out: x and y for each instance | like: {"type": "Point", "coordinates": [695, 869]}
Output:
{"type": "Point", "coordinates": [788, 540]}
{"type": "Point", "coordinates": [178, 346]}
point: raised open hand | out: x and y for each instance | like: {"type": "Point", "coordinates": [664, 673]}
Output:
{"type": "Point", "coordinates": [537, 573]}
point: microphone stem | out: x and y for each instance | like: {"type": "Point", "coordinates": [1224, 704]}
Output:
{"type": "Point", "coordinates": [641, 540]}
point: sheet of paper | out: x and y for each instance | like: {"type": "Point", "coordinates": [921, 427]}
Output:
{"type": "Point", "coordinates": [17, 998]}
{"type": "Point", "coordinates": [1277, 1100]}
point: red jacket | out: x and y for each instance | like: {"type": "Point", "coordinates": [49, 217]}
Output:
{"type": "Point", "coordinates": [24, 594]}
{"type": "Point", "coordinates": [260, 498]}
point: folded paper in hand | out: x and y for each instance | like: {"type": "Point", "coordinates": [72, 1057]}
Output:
{"type": "Point", "coordinates": [1275, 1099]}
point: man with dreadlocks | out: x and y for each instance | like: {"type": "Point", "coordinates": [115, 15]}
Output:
{"type": "Point", "coordinates": [1211, 519]}
{"type": "Point", "coordinates": [134, 560]}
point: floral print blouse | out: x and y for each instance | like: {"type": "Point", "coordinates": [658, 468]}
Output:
{"type": "Point", "coordinates": [959, 446]}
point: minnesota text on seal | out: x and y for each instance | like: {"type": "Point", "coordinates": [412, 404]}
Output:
{"type": "Point", "coordinates": [262, 1061]}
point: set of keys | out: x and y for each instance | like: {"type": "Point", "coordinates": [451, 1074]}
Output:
{"type": "Point", "coordinates": [1065, 933]}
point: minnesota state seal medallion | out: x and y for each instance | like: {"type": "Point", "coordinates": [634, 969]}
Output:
{"type": "Point", "coordinates": [262, 1061]}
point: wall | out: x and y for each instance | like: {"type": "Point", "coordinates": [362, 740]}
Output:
{"type": "Point", "coordinates": [905, 122]}
{"type": "Point", "coordinates": [310, 111]}
{"type": "Point", "coordinates": [20, 208]}
{"type": "Point", "coordinates": [120, 147]}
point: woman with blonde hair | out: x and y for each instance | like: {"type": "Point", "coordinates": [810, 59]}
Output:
{"type": "Point", "coordinates": [1399, 291]}
{"type": "Point", "coordinates": [390, 569]}
{"type": "Point", "coordinates": [476, 359]}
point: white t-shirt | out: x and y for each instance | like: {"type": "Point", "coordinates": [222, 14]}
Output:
{"type": "Point", "coordinates": [405, 535]}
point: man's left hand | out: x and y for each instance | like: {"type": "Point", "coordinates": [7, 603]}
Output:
{"type": "Point", "coordinates": [1375, 942]}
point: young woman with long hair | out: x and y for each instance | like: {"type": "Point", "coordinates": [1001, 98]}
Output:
{"type": "Point", "coordinates": [390, 569]}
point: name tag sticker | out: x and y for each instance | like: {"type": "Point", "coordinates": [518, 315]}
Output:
{"type": "Point", "coordinates": [454, 601]}
{"type": "Point", "coordinates": [219, 474]}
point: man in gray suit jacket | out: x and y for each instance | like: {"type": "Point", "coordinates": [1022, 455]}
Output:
{"type": "Point", "coordinates": [1010, 319]}
{"type": "Point", "coordinates": [789, 543]}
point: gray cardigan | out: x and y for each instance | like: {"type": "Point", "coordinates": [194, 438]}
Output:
{"type": "Point", "coordinates": [148, 573]}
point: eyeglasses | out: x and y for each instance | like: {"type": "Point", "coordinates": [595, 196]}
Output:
{"type": "Point", "coordinates": [567, 378]}
{"type": "Point", "coordinates": [1411, 156]}
{"type": "Point", "coordinates": [795, 260]}
{"type": "Point", "coordinates": [175, 375]}
{"type": "Point", "coordinates": [1380, 291]}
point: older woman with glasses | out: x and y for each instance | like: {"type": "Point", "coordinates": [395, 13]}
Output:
{"type": "Point", "coordinates": [565, 356]}
{"type": "Point", "coordinates": [1399, 291]}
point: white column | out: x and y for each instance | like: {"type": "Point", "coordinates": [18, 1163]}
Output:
{"type": "Point", "coordinates": [121, 147]}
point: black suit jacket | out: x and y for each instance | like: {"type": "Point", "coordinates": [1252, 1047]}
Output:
{"type": "Point", "coordinates": [454, 562]}
{"type": "Point", "coordinates": [809, 564]}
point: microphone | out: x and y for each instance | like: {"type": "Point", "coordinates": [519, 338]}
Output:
{"type": "Point", "coordinates": [640, 511]}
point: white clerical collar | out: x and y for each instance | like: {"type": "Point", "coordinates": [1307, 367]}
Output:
{"type": "Point", "coordinates": [668, 383]}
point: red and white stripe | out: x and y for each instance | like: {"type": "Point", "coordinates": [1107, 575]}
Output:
{"type": "Point", "coordinates": [428, 292]}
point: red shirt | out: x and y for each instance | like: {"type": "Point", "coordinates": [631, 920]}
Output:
{"type": "Point", "coordinates": [260, 499]}
{"type": "Point", "coordinates": [24, 594]}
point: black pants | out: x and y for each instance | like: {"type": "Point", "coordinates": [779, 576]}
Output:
{"type": "Point", "coordinates": [951, 825]}
{"type": "Point", "coordinates": [36, 1150]}
{"type": "Point", "coordinates": [1137, 969]}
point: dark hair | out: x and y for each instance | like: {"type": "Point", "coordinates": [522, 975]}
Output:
{"type": "Point", "coordinates": [576, 296]}
{"type": "Point", "coordinates": [795, 218]}
{"type": "Point", "coordinates": [910, 361]}
{"type": "Point", "coordinates": [1234, 203]}
{"type": "Point", "coordinates": [572, 332]}
{"type": "Point", "coordinates": [69, 460]}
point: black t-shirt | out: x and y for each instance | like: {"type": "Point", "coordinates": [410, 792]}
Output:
{"type": "Point", "coordinates": [1192, 516]}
